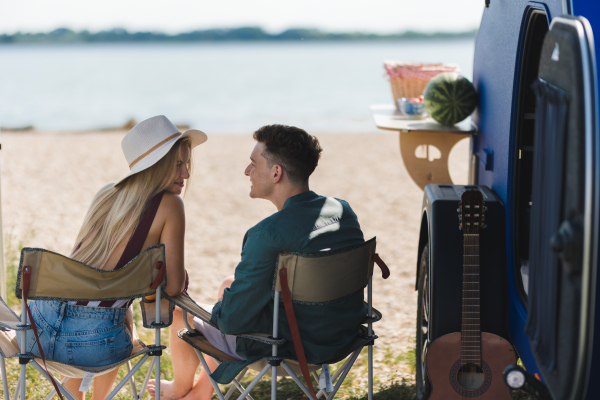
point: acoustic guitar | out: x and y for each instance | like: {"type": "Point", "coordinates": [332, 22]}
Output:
{"type": "Point", "coordinates": [469, 363]}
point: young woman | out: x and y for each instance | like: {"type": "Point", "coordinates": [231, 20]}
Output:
{"type": "Point", "coordinates": [141, 210]}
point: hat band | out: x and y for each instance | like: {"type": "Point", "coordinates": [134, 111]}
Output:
{"type": "Point", "coordinates": [156, 146]}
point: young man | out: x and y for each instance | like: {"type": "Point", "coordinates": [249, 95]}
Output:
{"type": "Point", "coordinates": [280, 165]}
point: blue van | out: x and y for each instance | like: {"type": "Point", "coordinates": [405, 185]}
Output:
{"type": "Point", "coordinates": [535, 159]}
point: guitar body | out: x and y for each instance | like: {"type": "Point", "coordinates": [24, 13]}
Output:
{"type": "Point", "coordinates": [443, 364]}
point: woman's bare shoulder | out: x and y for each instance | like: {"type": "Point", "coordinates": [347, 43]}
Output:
{"type": "Point", "coordinates": [171, 205]}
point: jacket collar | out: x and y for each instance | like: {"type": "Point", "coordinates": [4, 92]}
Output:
{"type": "Point", "coordinates": [304, 196]}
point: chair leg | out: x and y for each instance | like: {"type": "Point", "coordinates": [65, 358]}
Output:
{"type": "Point", "coordinates": [17, 388]}
{"type": "Point", "coordinates": [274, 382]}
{"type": "Point", "coordinates": [22, 379]}
{"type": "Point", "coordinates": [213, 383]}
{"type": "Point", "coordinates": [157, 377]}
{"type": "Point", "coordinates": [157, 343]}
{"type": "Point", "coordinates": [370, 367]}
{"type": "Point", "coordinates": [132, 381]}
{"type": "Point", "coordinates": [64, 391]}
{"type": "Point", "coordinates": [231, 390]}
{"type": "Point", "coordinates": [254, 382]}
{"type": "Point", "coordinates": [245, 393]}
{"type": "Point", "coordinates": [344, 373]}
{"type": "Point", "coordinates": [146, 379]}
{"type": "Point", "coordinates": [297, 380]}
{"type": "Point", "coordinates": [318, 378]}
{"type": "Point", "coordinates": [237, 385]}
{"type": "Point", "coordinates": [53, 392]}
{"type": "Point", "coordinates": [126, 378]}
{"type": "Point", "coordinates": [337, 373]}
{"type": "Point", "coordinates": [4, 380]}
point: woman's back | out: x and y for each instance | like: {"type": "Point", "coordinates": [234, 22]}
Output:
{"type": "Point", "coordinates": [146, 234]}
{"type": "Point", "coordinates": [167, 227]}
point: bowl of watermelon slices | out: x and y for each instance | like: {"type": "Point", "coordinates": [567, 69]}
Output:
{"type": "Point", "coordinates": [412, 108]}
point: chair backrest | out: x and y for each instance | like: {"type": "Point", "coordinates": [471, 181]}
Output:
{"type": "Point", "coordinates": [329, 275]}
{"type": "Point", "coordinates": [56, 277]}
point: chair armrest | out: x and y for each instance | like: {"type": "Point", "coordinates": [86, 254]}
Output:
{"type": "Point", "coordinates": [261, 337]}
{"type": "Point", "coordinates": [376, 316]}
{"type": "Point", "coordinates": [185, 302]}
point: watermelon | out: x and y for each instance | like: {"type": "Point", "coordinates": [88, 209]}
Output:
{"type": "Point", "coordinates": [449, 98]}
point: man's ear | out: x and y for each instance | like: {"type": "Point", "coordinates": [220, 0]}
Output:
{"type": "Point", "coordinates": [277, 173]}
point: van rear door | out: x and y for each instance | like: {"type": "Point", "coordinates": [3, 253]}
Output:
{"type": "Point", "coordinates": [564, 212]}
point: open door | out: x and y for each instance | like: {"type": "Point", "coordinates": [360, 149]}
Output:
{"type": "Point", "coordinates": [563, 235]}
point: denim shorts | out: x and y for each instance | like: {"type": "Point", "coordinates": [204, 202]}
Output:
{"type": "Point", "coordinates": [78, 335]}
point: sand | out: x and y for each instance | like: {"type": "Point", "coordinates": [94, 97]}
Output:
{"type": "Point", "coordinates": [49, 179]}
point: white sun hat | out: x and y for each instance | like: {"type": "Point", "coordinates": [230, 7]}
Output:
{"type": "Point", "coordinates": [150, 140]}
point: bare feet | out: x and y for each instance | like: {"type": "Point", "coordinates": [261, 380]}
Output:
{"type": "Point", "coordinates": [168, 390]}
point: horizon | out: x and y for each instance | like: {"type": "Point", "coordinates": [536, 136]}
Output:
{"type": "Point", "coordinates": [229, 28]}
{"type": "Point", "coordinates": [381, 16]}
{"type": "Point", "coordinates": [241, 34]}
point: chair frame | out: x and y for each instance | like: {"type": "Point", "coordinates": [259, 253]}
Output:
{"type": "Point", "coordinates": [154, 350]}
{"type": "Point", "coordinates": [274, 361]}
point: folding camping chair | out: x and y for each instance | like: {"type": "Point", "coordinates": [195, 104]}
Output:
{"type": "Point", "coordinates": [44, 275]}
{"type": "Point", "coordinates": [313, 279]}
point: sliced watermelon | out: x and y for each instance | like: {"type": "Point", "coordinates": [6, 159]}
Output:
{"type": "Point", "coordinates": [449, 98]}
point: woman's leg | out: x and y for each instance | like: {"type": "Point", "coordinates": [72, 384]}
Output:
{"type": "Point", "coordinates": [72, 386]}
{"type": "Point", "coordinates": [203, 389]}
{"type": "Point", "coordinates": [184, 360]}
{"type": "Point", "coordinates": [185, 363]}
{"type": "Point", "coordinates": [103, 384]}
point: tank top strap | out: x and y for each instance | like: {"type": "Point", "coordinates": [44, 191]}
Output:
{"type": "Point", "coordinates": [134, 246]}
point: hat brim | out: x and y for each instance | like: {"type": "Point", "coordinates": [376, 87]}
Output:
{"type": "Point", "coordinates": [196, 138]}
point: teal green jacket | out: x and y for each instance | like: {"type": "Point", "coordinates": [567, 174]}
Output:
{"type": "Point", "coordinates": [307, 223]}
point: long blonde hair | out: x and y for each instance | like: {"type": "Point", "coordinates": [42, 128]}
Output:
{"type": "Point", "coordinates": [116, 209]}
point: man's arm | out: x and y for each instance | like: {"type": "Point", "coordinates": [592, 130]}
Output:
{"type": "Point", "coordinates": [250, 292]}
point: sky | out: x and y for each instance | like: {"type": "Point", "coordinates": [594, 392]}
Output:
{"type": "Point", "coordinates": [174, 16]}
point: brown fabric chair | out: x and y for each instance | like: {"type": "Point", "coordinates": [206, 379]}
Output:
{"type": "Point", "coordinates": [311, 278]}
{"type": "Point", "coordinates": [55, 277]}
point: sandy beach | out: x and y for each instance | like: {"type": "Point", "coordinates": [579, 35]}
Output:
{"type": "Point", "coordinates": [49, 179]}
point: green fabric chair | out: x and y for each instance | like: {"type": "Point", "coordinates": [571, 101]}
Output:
{"type": "Point", "coordinates": [315, 279]}
{"type": "Point", "coordinates": [52, 276]}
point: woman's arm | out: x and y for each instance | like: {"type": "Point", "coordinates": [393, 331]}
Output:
{"type": "Point", "coordinates": [172, 236]}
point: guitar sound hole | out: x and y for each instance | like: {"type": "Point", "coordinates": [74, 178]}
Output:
{"type": "Point", "coordinates": [470, 376]}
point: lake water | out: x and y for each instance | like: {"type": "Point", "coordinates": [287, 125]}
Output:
{"type": "Point", "coordinates": [224, 87]}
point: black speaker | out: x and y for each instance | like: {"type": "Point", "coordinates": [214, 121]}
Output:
{"type": "Point", "coordinates": [445, 239]}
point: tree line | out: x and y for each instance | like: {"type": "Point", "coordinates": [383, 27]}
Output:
{"type": "Point", "coordinates": [65, 35]}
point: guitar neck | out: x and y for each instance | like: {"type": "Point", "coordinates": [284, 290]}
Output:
{"type": "Point", "coordinates": [470, 343]}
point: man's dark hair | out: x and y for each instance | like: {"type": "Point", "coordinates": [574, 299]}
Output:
{"type": "Point", "coordinates": [292, 148]}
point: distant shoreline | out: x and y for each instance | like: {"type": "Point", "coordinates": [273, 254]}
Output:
{"type": "Point", "coordinates": [243, 34]}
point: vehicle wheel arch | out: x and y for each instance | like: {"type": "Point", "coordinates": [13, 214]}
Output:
{"type": "Point", "coordinates": [424, 233]}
